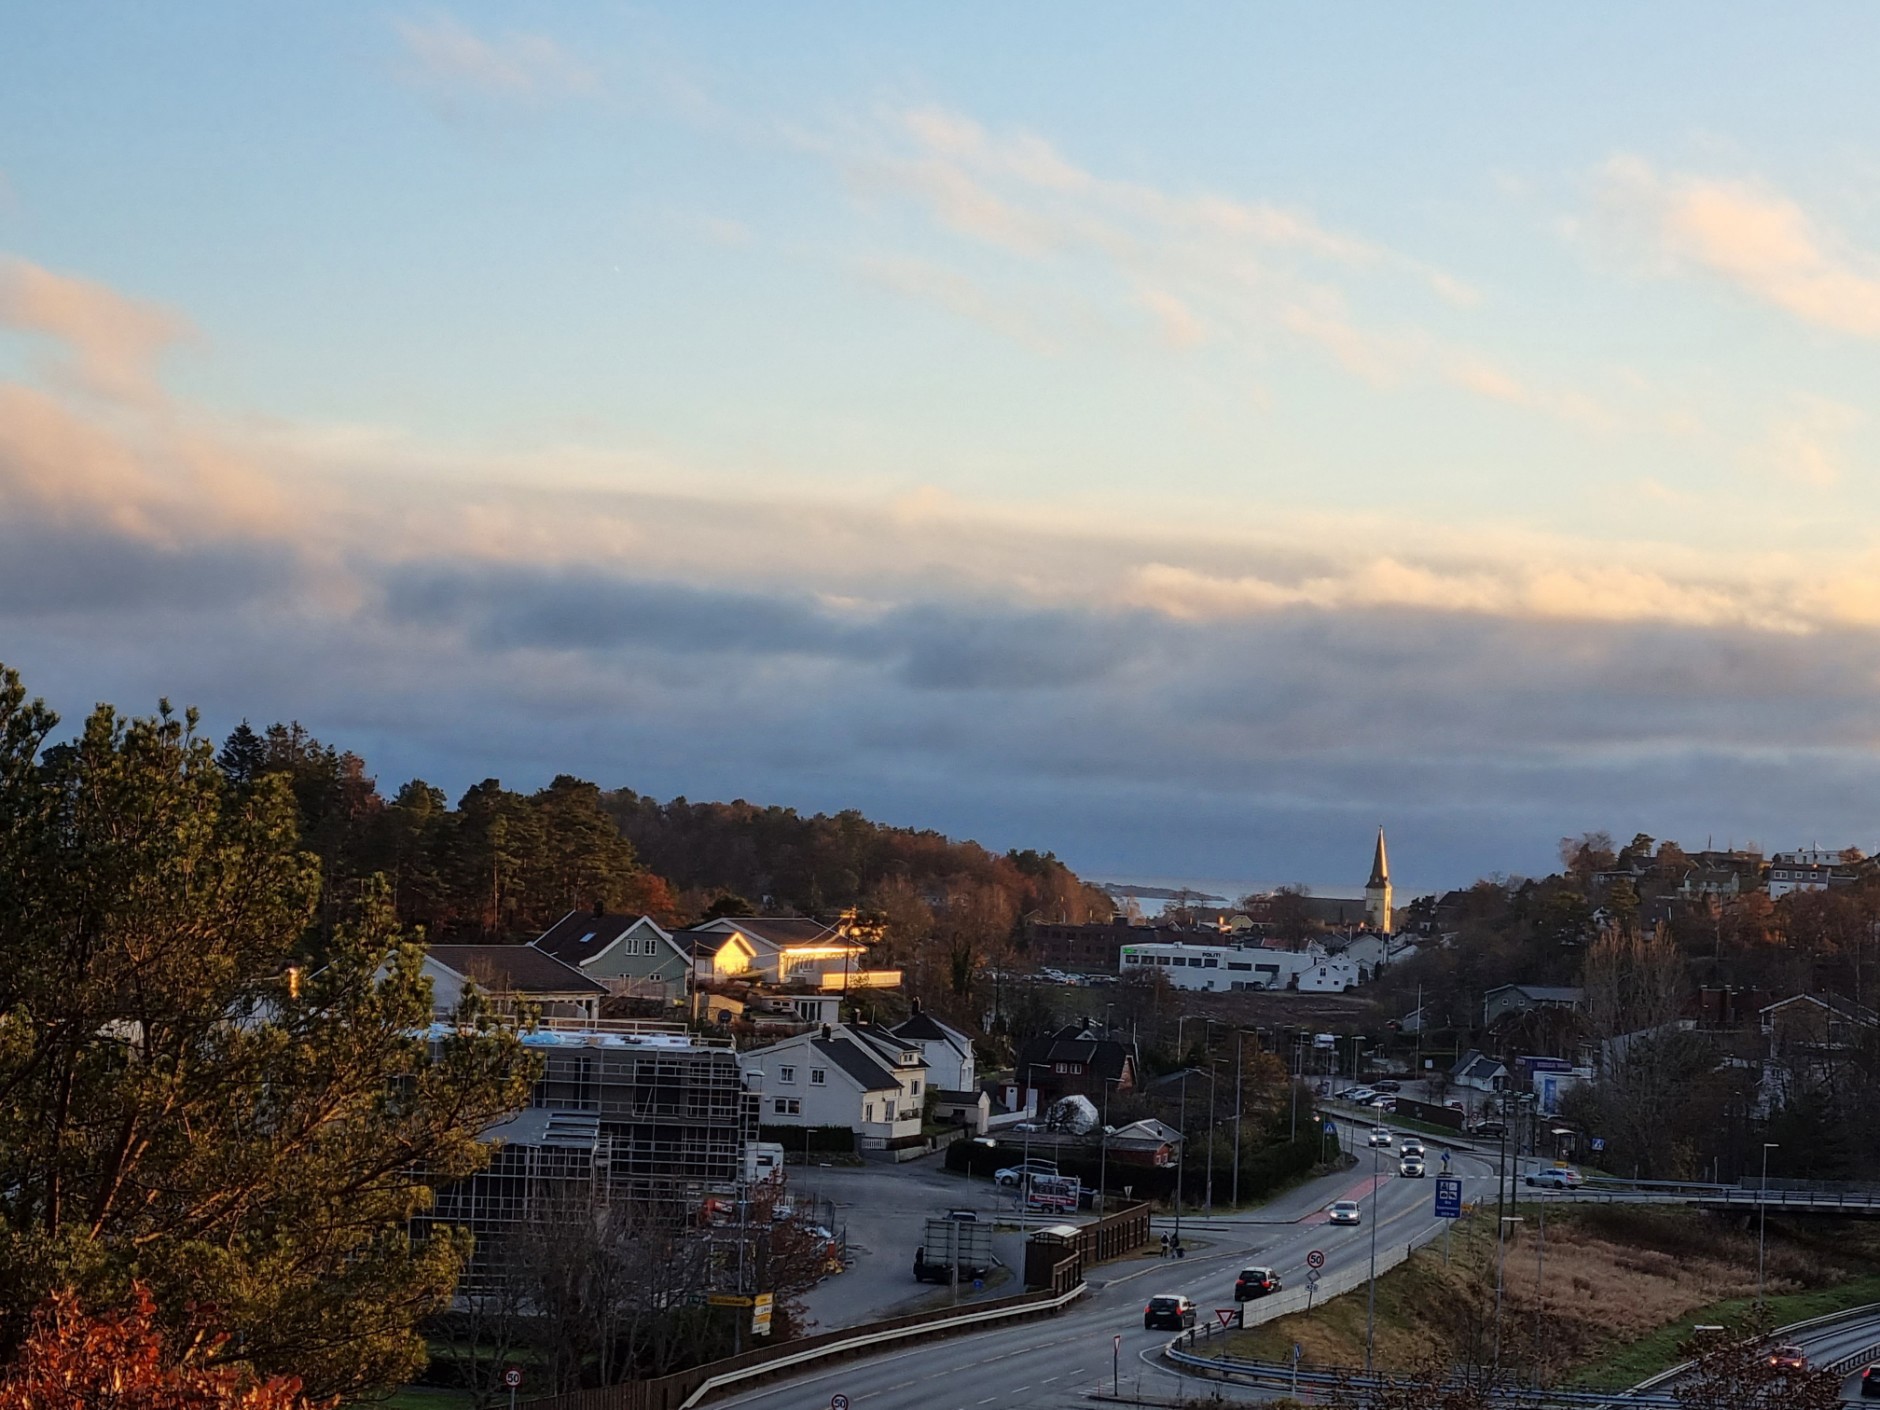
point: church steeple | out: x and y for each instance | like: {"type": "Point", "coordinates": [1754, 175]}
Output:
{"type": "Point", "coordinates": [1377, 889]}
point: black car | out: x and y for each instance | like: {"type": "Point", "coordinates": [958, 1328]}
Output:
{"type": "Point", "coordinates": [1870, 1381]}
{"type": "Point", "coordinates": [1389, 1084]}
{"type": "Point", "coordinates": [1255, 1282]}
{"type": "Point", "coordinates": [1168, 1310]}
{"type": "Point", "coordinates": [1495, 1130]}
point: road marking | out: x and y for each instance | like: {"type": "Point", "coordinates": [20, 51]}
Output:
{"type": "Point", "coordinates": [1048, 1379]}
{"type": "Point", "coordinates": [987, 1401]}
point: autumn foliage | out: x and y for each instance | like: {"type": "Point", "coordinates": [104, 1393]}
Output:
{"type": "Point", "coordinates": [123, 1359]}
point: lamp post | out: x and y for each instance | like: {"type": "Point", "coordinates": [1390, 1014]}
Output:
{"type": "Point", "coordinates": [1103, 1159]}
{"type": "Point", "coordinates": [1370, 1301]}
{"type": "Point", "coordinates": [1762, 1216]}
{"type": "Point", "coordinates": [1501, 1263]}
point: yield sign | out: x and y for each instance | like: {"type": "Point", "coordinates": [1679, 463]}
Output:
{"type": "Point", "coordinates": [1227, 1315]}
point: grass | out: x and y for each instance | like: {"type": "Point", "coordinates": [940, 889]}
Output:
{"type": "Point", "coordinates": [1658, 1350]}
{"type": "Point", "coordinates": [420, 1398]}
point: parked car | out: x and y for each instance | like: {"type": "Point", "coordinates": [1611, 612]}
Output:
{"type": "Point", "coordinates": [1346, 1211]}
{"type": "Point", "coordinates": [1790, 1357]}
{"type": "Point", "coordinates": [1411, 1167]}
{"type": "Point", "coordinates": [1494, 1130]}
{"type": "Point", "coordinates": [1412, 1146]}
{"type": "Point", "coordinates": [1870, 1381]}
{"type": "Point", "coordinates": [1380, 1137]}
{"type": "Point", "coordinates": [1168, 1310]}
{"type": "Point", "coordinates": [964, 1216]}
{"type": "Point", "coordinates": [1360, 1094]}
{"type": "Point", "coordinates": [1255, 1282]}
{"type": "Point", "coordinates": [1383, 1103]}
{"type": "Point", "coordinates": [1013, 1174]}
{"type": "Point", "coordinates": [1389, 1084]}
{"type": "Point", "coordinates": [1556, 1178]}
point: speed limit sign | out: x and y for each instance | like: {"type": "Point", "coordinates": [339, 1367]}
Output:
{"type": "Point", "coordinates": [512, 1377]}
{"type": "Point", "coordinates": [838, 1401]}
{"type": "Point", "coordinates": [1315, 1259]}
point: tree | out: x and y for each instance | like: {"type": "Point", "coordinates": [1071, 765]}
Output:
{"type": "Point", "coordinates": [123, 1360]}
{"type": "Point", "coordinates": [1733, 1370]}
{"type": "Point", "coordinates": [198, 1089]}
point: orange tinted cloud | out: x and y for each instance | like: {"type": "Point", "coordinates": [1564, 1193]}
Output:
{"type": "Point", "coordinates": [110, 343]}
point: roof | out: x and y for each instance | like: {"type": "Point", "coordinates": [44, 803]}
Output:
{"type": "Point", "coordinates": [923, 1027]}
{"type": "Point", "coordinates": [775, 931]}
{"type": "Point", "coordinates": [538, 1126]}
{"type": "Point", "coordinates": [1834, 1003]}
{"type": "Point", "coordinates": [1103, 1057]}
{"type": "Point", "coordinates": [1542, 993]}
{"type": "Point", "coordinates": [1380, 868]}
{"type": "Point", "coordinates": [581, 936]}
{"type": "Point", "coordinates": [858, 1062]}
{"type": "Point", "coordinates": [1474, 1064]}
{"type": "Point", "coordinates": [518, 969]}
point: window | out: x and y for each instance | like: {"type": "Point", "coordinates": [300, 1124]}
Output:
{"type": "Point", "coordinates": [787, 1106]}
{"type": "Point", "coordinates": [786, 1074]}
{"type": "Point", "coordinates": [916, 1091]}
{"type": "Point", "coordinates": [868, 1111]}
{"type": "Point", "coordinates": [818, 1076]}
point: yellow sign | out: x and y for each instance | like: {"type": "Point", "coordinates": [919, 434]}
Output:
{"type": "Point", "coordinates": [760, 1315]}
{"type": "Point", "coordinates": [727, 1300]}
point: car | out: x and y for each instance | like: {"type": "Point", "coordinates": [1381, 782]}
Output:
{"type": "Point", "coordinates": [1360, 1094]}
{"type": "Point", "coordinates": [1389, 1084]}
{"type": "Point", "coordinates": [1556, 1177]}
{"type": "Point", "coordinates": [1346, 1211]}
{"type": "Point", "coordinates": [1168, 1310]}
{"type": "Point", "coordinates": [964, 1216]}
{"type": "Point", "coordinates": [1350, 1094]}
{"type": "Point", "coordinates": [1255, 1282]}
{"type": "Point", "coordinates": [1788, 1357]}
{"type": "Point", "coordinates": [1380, 1137]}
{"type": "Point", "coordinates": [1495, 1130]}
{"type": "Point", "coordinates": [1411, 1167]}
{"type": "Point", "coordinates": [1452, 1106]}
{"type": "Point", "coordinates": [1412, 1146]}
{"type": "Point", "coordinates": [1014, 1174]}
{"type": "Point", "coordinates": [1870, 1381]}
{"type": "Point", "coordinates": [1383, 1103]}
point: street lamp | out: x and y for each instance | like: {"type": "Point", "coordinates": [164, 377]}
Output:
{"type": "Point", "coordinates": [1762, 1215]}
{"type": "Point", "coordinates": [1501, 1263]}
{"type": "Point", "coordinates": [1103, 1159]}
{"type": "Point", "coordinates": [1370, 1301]}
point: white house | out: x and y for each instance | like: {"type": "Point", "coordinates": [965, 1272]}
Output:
{"type": "Point", "coordinates": [848, 1075]}
{"type": "Point", "coordinates": [948, 1051]}
{"type": "Point", "coordinates": [1227, 967]}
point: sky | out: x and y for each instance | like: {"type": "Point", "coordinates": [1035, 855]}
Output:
{"type": "Point", "coordinates": [1181, 438]}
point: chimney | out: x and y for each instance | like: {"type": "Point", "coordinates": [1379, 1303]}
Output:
{"type": "Point", "coordinates": [827, 1033]}
{"type": "Point", "coordinates": [600, 906]}
{"type": "Point", "coordinates": [914, 1005]}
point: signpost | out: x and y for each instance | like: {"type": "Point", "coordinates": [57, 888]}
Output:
{"type": "Point", "coordinates": [838, 1401]}
{"type": "Point", "coordinates": [513, 1379]}
{"type": "Point", "coordinates": [727, 1300]}
{"type": "Point", "coordinates": [1316, 1258]}
{"type": "Point", "coordinates": [1116, 1364]}
{"type": "Point", "coordinates": [760, 1314]}
{"type": "Point", "coordinates": [1228, 1315]}
{"type": "Point", "coordinates": [1297, 1350]}
{"type": "Point", "coordinates": [1448, 1206]}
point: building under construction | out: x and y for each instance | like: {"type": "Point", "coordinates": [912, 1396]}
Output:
{"type": "Point", "coordinates": [639, 1117]}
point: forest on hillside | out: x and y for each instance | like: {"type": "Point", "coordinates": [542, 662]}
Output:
{"type": "Point", "coordinates": [502, 865]}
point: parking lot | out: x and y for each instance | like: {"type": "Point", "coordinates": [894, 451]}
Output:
{"type": "Point", "coordinates": [884, 1209]}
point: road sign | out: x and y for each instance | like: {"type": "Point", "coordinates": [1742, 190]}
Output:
{"type": "Point", "coordinates": [1448, 1197]}
{"type": "Point", "coordinates": [727, 1300]}
{"type": "Point", "coordinates": [760, 1314]}
{"type": "Point", "coordinates": [1298, 1351]}
{"type": "Point", "coordinates": [1315, 1259]}
{"type": "Point", "coordinates": [1599, 1143]}
{"type": "Point", "coordinates": [1312, 1278]}
{"type": "Point", "coordinates": [1116, 1342]}
{"type": "Point", "coordinates": [1227, 1315]}
{"type": "Point", "coordinates": [838, 1401]}
{"type": "Point", "coordinates": [512, 1377]}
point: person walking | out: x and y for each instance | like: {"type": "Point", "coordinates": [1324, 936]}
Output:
{"type": "Point", "coordinates": [1165, 1245]}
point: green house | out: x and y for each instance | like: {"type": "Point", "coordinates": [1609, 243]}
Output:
{"type": "Point", "coordinates": [628, 955]}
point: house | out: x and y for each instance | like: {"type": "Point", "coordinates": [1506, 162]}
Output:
{"type": "Point", "coordinates": [1479, 1072]}
{"type": "Point", "coordinates": [1074, 1060]}
{"type": "Point", "coordinates": [971, 1109]}
{"type": "Point", "coordinates": [511, 973]}
{"type": "Point", "coordinates": [1813, 869]}
{"type": "Point", "coordinates": [848, 1075]}
{"type": "Point", "coordinates": [948, 1051]}
{"type": "Point", "coordinates": [1506, 999]}
{"type": "Point", "coordinates": [629, 955]}
{"type": "Point", "coordinates": [1233, 967]}
{"type": "Point", "coordinates": [796, 950]}
{"type": "Point", "coordinates": [718, 955]}
{"type": "Point", "coordinates": [1145, 1142]}
{"type": "Point", "coordinates": [1823, 1022]}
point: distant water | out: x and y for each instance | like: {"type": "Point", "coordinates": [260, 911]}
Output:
{"type": "Point", "coordinates": [1229, 892]}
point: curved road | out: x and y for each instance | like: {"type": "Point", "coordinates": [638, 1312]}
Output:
{"type": "Point", "coordinates": [1056, 1360]}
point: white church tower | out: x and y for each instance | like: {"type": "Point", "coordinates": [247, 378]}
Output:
{"type": "Point", "coordinates": [1377, 890]}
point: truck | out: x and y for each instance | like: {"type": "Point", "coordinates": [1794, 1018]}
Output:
{"type": "Point", "coordinates": [762, 1159]}
{"type": "Point", "coordinates": [965, 1244]}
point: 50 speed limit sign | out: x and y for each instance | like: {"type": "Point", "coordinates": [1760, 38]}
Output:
{"type": "Point", "coordinates": [512, 1377]}
{"type": "Point", "coordinates": [1315, 1259]}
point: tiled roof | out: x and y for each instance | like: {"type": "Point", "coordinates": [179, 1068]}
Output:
{"type": "Point", "coordinates": [518, 969]}
{"type": "Point", "coordinates": [581, 935]}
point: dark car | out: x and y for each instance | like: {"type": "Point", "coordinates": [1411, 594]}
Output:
{"type": "Point", "coordinates": [1168, 1310]}
{"type": "Point", "coordinates": [1788, 1357]}
{"type": "Point", "coordinates": [1255, 1282]}
{"type": "Point", "coordinates": [1870, 1381]}
{"type": "Point", "coordinates": [1493, 1129]}
{"type": "Point", "coordinates": [1387, 1085]}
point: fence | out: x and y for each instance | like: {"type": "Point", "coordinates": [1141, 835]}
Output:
{"type": "Point", "coordinates": [685, 1389]}
{"type": "Point", "coordinates": [1096, 1242]}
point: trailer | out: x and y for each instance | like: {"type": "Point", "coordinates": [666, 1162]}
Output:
{"type": "Point", "coordinates": [953, 1244]}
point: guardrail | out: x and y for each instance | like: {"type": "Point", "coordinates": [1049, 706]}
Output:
{"type": "Point", "coordinates": [1696, 1192]}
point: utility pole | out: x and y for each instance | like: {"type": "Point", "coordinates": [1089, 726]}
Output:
{"type": "Point", "coordinates": [1238, 1035]}
{"type": "Point", "coordinates": [1501, 1264]}
{"type": "Point", "coordinates": [1762, 1216]}
{"type": "Point", "coordinates": [1370, 1301]}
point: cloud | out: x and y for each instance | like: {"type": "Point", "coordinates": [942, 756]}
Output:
{"type": "Point", "coordinates": [1805, 445]}
{"type": "Point", "coordinates": [1754, 239]}
{"type": "Point", "coordinates": [443, 56]}
{"type": "Point", "coordinates": [108, 343]}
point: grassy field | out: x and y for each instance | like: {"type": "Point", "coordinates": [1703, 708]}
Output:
{"type": "Point", "coordinates": [1618, 1288]}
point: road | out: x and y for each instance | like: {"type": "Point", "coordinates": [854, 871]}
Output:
{"type": "Point", "coordinates": [1055, 1361]}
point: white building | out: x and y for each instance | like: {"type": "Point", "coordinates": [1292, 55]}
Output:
{"type": "Point", "coordinates": [1228, 967]}
{"type": "Point", "coordinates": [949, 1052]}
{"type": "Point", "coordinates": [1811, 869]}
{"type": "Point", "coordinates": [847, 1075]}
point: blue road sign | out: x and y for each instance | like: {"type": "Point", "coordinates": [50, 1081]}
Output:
{"type": "Point", "coordinates": [1448, 1197]}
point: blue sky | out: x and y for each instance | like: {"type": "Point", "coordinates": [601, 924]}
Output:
{"type": "Point", "coordinates": [1181, 439]}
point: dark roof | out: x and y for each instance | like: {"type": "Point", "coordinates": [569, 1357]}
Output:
{"type": "Point", "coordinates": [582, 935]}
{"type": "Point", "coordinates": [778, 930]}
{"type": "Point", "coordinates": [1102, 1057]}
{"type": "Point", "coordinates": [519, 969]}
{"type": "Point", "coordinates": [1380, 869]}
{"type": "Point", "coordinates": [1834, 1003]}
{"type": "Point", "coordinates": [925, 1028]}
{"type": "Point", "coordinates": [856, 1060]}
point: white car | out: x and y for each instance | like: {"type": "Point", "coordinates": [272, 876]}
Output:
{"type": "Point", "coordinates": [1014, 1174]}
{"type": "Point", "coordinates": [1556, 1178]}
{"type": "Point", "coordinates": [1411, 1167]}
{"type": "Point", "coordinates": [1380, 1137]}
{"type": "Point", "coordinates": [1346, 1211]}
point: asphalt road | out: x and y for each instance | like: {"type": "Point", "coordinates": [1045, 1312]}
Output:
{"type": "Point", "coordinates": [1054, 1361]}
